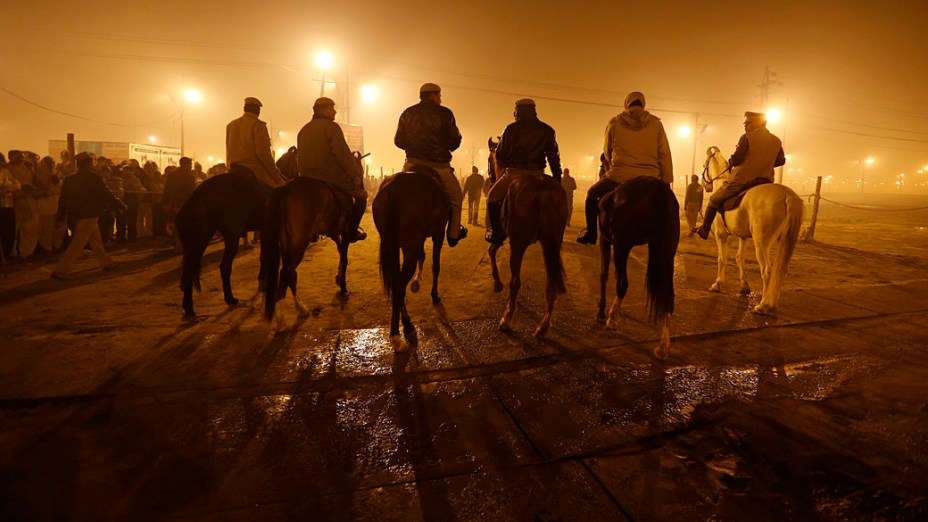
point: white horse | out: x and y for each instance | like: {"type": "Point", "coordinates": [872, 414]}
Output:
{"type": "Point", "coordinates": [770, 214]}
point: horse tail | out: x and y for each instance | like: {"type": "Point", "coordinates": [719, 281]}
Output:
{"type": "Point", "coordinates": [270, 250]}
{"type": "Point", "coordinates": [551, 235]}
{"type": "Point", "coordinates": [390, 243]}
{"type": "Point", "coordinates": [787, 239]}
{"type": "Point", "coordinates": [662, 247]}
{"type": "Point", "coordinates": [188, 224]}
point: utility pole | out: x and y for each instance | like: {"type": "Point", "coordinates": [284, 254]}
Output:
{"type": "Point", "coordinates": [769, 81]}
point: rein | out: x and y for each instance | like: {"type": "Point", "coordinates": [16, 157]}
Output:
{"type": "Point", "coordinates": [705, 171]}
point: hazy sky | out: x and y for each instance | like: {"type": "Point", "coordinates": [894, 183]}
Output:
{"type": "Point", "coordinates": [852, 75]}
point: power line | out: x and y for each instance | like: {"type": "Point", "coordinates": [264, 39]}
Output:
{"type": "Point", "coordinates": [56, 111]}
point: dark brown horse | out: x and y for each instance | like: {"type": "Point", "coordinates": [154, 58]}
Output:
{"type": "Point", "coordinates": [641, 211]}
{"type": "Point", "coordinates": [408, 209]}
{"type": "Point", "coordinates": [297, 214]}
{"type": "Point", "coordinates": [535, 210]}
{"type": "Point", "coordinates": [231, 204]}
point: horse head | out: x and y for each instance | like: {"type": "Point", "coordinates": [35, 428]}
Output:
{"type": "Point", "coordinates": [716, 166]}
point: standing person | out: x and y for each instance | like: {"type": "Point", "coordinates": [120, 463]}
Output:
{"type": "Point", "coordinates": [692, 204]}
{"type": "Point", "coordinates": [322, 153]}
{"type": "Point", "coordinates": [179, 184]}
{"type": "Point", "coordinates": [47, 190]}
{"type": "Point", "coordinates": [635, 145]}
{"type": "Point", "coordinates": [127, 222]}
{"type": "Point", "coordinates": [757, 154]}
{"type": "Point", "coordinates": [473, 184]}
{"type": "Point", "coordinates": [25, 207]}
{"type": "Point", "coordinates": [569, 184]}
{"type": "Point", "coordinates": [84, 197]}
{"type": "Point", "coordinates": [428, 133]}
{"type": "Point", "coordinates": [522, 151]}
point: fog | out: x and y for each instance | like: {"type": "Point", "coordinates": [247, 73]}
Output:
{"type": "Point", "coordinates": [849, 78]}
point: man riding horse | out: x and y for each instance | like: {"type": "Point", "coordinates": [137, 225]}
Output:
{"type": "Point", "coordinates": [635, 145]}
{"type": "Point", "coordinates": [522, 151]}
{"type": "Point", "coordinates": [755, 157]}
{"type": "Point", "coordinates": [323, 154]}
{"type": "Point", "coordinates": [248, 143]}
{"type": "Point", "coordinates": [428, 133]}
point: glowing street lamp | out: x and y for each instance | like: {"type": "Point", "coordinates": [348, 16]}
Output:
{"type": "Point", "coordinates": [774, 115]}
{"type": "Point", "coordinates": [685, 131]}
{"type": "Point", "coordinates": [863, 170]}
{"type": "Point", "coordinates": [369, 93]}
{"type": "Point", "coordinates": [192, 96]}
{"type": "Point", "coordinates": [151, 139]}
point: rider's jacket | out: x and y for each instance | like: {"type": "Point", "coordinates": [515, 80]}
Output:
{"type": "Point", "coordinates": [636, 145]}
{"type": "Point", "coordinates": [248, 143]}
{"type": "Point", "coordinates": [428, 131]}
{"type": "Point", "coordinates": [526, 143]}
{"type": "Point", "coordinates": [323, 153]}
{"type": "Point", "coordinates": [757, 153]}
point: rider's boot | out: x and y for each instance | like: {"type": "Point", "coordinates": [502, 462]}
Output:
{"type": "Point", "coordinates": [495, 234]}
{"type": "Point", "coordinates": [355, 232]}
{"type": "Point", "coordinates": [588, 235]}
{"type": "Point", "coordinates": [703, 230]}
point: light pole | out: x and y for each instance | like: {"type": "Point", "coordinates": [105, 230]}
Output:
{"type": "Point", "coordinates": [193, 96]}
{"type": "Point", "coordinates": [325, 61]}
{"type": "Point", "coordinates": [863, 170]}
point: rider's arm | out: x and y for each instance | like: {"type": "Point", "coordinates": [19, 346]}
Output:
{"type": "Point", "coordinates": [741, 151]}
{"type": "Point", "coordinates": [554, 157]}
{"type": "Point", "coordinates": [453, 135]}
{"type": "Point", "coordinates": [781, 158]}
{"type": "Point", "coordinates": [663, 156]}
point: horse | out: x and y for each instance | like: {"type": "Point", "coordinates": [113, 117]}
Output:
{"type": "Point", "coordinates": [231, 204]}
{"type": "Point", "coordinates": [535, 211]}
{"type": "Point", "coordinates": [297, 214]}
{"type": "Point", "coordinates": [409, 208]}
{"type": "Point", "coordinates": [770, 214]}
{"type": "Point", "coordinates": [642, 210]}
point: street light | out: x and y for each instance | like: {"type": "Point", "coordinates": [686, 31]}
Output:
{"type": "Point", "coordinates": [193, 96]}
{"type": "Point", "coordinates": [325, 61]}
{"type": "Point", "coordinates": [369, 93]}
{"type": "Point", "coordinates": [863, 170]}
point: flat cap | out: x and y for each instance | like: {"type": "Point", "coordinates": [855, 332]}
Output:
{"type": "Point", "coordinates": [755, 116]}
{"type": "Point", "coordinates": [525, 102]}
{"type": "Point", "coordinates": [251, 100]}
{"type": "Point", "coordinates": [323, 101]}
{"type": "Point", "coordinates": [633, 97]}
{"type": "Point", "coordinates": [429, 87]}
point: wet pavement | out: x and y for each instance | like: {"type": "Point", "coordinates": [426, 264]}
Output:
{"type": "Point", "coordinates": [111, 408]}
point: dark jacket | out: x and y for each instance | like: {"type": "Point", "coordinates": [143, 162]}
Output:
{"type": "Point", "coordinates": [525, 145]}
{"type": "Point", "coordinates": [428, 131]}
{"type": "Point", "coordinates": [472, 185]}
{"type": "Point", "coordinates": [322, 153]}
{"type": "Point", "coordinates": [178, 186]}
{"type": "Point", "coordinates": [84, 195]}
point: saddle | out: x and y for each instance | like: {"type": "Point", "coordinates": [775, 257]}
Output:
{"type": "Point", "coordinates": [432, 173]}
{"type": "Point", "coordinates": [733, 202]}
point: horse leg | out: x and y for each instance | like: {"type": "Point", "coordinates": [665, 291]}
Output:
{"type": "Point", "coordinates": [416, 280]}
{"type": "Point", "coordinates": [662, 350]}
{"type": "Point", "coordinates": [742, 275]}
{"type": "Point", "coordinates": [721, 243]}
{"type": "Point", "coordinates": [621, 284]}
{"type": "Point", "coordinates": [605, 255]}
{"type": "Point", "coordinates": [341, 279]}
{"type": "Point", "coordinates": [762, 251]}
{"type": "Point", "coordinates": [497, 284]}
{"type": "Point", "coordinates": [225, 267]}
{"type": "Point", "coordinates": [410, 260]}
{"type": "Point", "coordinates": [516, 253]}
{"type": "Point", "coordinates": [436, 267]}
{"type": "Point", "coordinates": [550, 298]}
{"type": "Point", "coordinates": [193, 257]}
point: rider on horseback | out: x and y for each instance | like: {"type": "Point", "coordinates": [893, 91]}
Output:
{"type": "Point", "coordinates": [248, 143]}
{"type": "Point", "coordinates": [755, 157]}
{"type": "Point", "coordinates": [635, 145]}
{"type": "Point", "coordinates": [323, 154]}
{"type": "Point", "coordinates": [428, 133]}
{"type": "Point", "coordinates": [521, 152]}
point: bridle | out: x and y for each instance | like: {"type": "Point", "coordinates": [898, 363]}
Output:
{"type": "Point", "coordinates": [705, 170]}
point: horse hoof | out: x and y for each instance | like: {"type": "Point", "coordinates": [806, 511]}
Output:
{"type": "Point", "coordinates": [435, 299]}
{"type": "Point", "coordinates": [745, 291]}
{"type": "Point", "coordinates": [414, 287]}
{"type": "Point", "coordinates": [497, 286]}
{"type": "Point", "coordinates": [762, 309]}
{"type": "Point", "coordinates": [715, 288]}
{"type": "Point", "coordinates": [503, 325]}
{"type": "Point", "coordinates": [541, 331]}
{"type": "Point", "coordinates": [231, 301]}
{"type": "Point", "coordinates": [601, 318]}
{"type": "Point", "coordinates": [399, 344]}
{"type": "Point", "coordinates": [191, 318]}
{"type": "Point", "coordinates": [612, 324]}
{"type": "Point", "coordinates": [660, 353]}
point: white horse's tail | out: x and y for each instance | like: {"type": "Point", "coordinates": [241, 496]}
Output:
{"type": "Point", "coordinates": [789, 236]}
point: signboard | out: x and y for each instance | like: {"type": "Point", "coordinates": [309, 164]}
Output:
{"type": "Point", "coordinates": [354, 135]}
{"type": "Point", "coordinates": [118, 151]}
{"type": "Point", "coordinates": [163, 156]}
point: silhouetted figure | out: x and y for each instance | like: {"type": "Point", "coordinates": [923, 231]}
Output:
{"type": "Point", "coordinates": [473, 185]}
{"type": "Point", "coordinates": [692, 203]}
{"type": "Point", "coordinates": [569, 184]}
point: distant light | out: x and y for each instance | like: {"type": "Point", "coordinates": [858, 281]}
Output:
{"type": "Point", "coordinates": [902, 174]}
{"type": "Point", "coordinates": [325, 60]}
{"type": "Point", "coordinates": [209, 158]}
{"type": "Point", "coordinates": [685, 131]}
{"type": "Point", "coordinates": [280, 152]}
{"type": "Point", "coordinates": [369, 93]}
{"type": "Point", "coordinates": [869, 161]}
{"type": "Point", "coordinates": [193, 95]}
{"type": "Point", "coordinates": [280, 133]}
{"type": "Point", "coordinates": [151, 139]}
{"type": "Point", "coordinates": [789, 157]}
{"type": "Point", "coordinates": [774, 115]}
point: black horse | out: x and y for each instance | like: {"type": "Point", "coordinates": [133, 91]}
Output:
{"type": "Point", "coordinates": [230, 204]}
{"type": "Point", "coordinates": [408, 209]}
{"type": "Point", "coordinates": [641, 211]}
